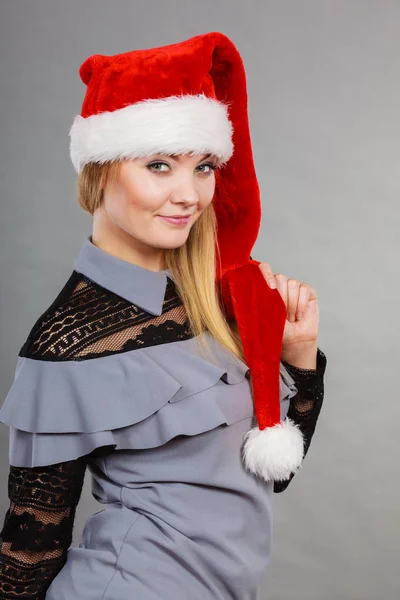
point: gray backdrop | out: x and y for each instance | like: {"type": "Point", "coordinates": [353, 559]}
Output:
{"type": "Point", "coordinates": [324, 97]}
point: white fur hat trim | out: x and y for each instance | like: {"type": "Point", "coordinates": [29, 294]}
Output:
{"type": "Point", "coordinates": [172, 125]}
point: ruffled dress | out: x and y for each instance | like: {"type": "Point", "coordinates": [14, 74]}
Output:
{"type": "Point", "coordinates": [110, 379]}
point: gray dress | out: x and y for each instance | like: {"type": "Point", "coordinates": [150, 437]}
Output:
{"type": "Point", "coordinates": [110, 371]}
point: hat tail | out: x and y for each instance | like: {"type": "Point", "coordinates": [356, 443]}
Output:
{"type": "Point", "coordinates": [273, 449]}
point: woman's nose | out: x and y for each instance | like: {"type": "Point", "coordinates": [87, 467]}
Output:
{"type": "Point", "coordinates": [186, 190]}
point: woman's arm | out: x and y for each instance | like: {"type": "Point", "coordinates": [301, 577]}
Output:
{"type": "Point", "coordinates": [305, 406]}
{"type": "Point", "coordinates": [37, 528]}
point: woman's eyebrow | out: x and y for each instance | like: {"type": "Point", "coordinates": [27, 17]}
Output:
{"type": "Point", "coordinates": [178, 157]}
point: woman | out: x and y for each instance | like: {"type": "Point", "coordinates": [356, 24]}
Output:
{"type": "Point", "coordinates": [140, 368]}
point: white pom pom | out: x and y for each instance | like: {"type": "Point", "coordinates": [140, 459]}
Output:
{"type": "Point", "coordinates": [274, 452]}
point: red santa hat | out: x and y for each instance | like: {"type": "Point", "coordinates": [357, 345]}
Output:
{"type": "Point", "coordinates": [191, 97]}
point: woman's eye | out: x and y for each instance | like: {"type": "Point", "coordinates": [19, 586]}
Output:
{"type": "Point", "coordinates": [155, 164]}
{"type": "Point", "coordinates": [211, 165]}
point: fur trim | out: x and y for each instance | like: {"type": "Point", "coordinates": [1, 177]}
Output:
{"type": "Point", "coordinates": [173, 125]}
{"type": "Point", "coordinates": [274, 452]}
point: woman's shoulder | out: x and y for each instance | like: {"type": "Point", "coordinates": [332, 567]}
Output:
{"type": "Point", "coordinates": [47, 339]}
{"type": "Point", "coordinates": [88, 321]}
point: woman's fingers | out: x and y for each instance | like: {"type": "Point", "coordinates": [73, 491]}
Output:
{"type": "Point", "coordinates": [268, 274]}
{"type": "Point", "coordinates": [294, 293]}
{"type": "Point", "coordinates": [293, 286]}
{"type": "Point", "coordinates": [282, 285]}
{"type": "Point", "coordinates": [302, 304]}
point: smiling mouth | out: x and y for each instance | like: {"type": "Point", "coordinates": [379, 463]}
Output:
{"type": "Point", "coordinates": [176, 220]}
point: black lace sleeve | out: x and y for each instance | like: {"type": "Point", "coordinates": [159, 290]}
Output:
{"type": "Point", "coordinates": [306, 405]}
{"type": "Point", "coordinates": [37, 528]}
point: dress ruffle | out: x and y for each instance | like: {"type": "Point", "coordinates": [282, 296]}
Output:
{"type": "Point", "coordinates": [58, 411]}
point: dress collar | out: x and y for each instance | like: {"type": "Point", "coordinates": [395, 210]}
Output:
{"type": "Point", "coordinates": [142, 287]}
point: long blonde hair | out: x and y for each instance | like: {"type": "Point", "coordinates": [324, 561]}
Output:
{"type": "Point", "coordinates": [192, 265]}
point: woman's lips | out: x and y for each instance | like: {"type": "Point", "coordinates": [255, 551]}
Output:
{"type": "Point", "coordinates": [176, 220]}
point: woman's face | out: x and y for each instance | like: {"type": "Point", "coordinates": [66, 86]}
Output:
{"type": "Point", "coordinates": [147, 189]}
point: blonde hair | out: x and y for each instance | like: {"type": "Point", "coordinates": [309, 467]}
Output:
{"type": "Point", "coordinates": [192, 265]}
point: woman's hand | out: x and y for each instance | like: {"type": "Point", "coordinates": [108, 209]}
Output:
{"type": "Point", "coordinates": [301, 325]}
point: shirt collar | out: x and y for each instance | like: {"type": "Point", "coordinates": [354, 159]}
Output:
{"type": "Point", "coordinates": [142, 287]}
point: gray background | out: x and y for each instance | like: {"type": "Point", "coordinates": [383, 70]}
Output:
{"type": "Point", "coordinates": [324, 97]}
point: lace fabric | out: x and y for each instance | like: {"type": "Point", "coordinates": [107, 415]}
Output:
{"type": "Point", "coordinates": [87, 321]}
{"type": "Point", "coordinates": [305, 406]}
{"type": "Point", "coordinates": [38, 526]}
